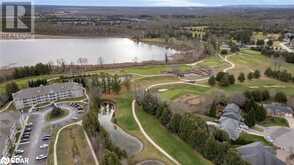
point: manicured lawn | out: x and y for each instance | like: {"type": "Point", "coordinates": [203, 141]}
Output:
{"type": "Point", "coordinates": [23, 82]}
{"type": "Point", "coordinates": [175, 91]}
{"type": "Point", "coordinates": [124, 116]}
{"type": "Point", "coordinates": [72, 147]}
{"type": "Point", "coordinates": [274, 121]}
{"type": "Point", "coordinates": [214, 62]}
{"type": "Point", "coordinates": [144, 70]}
{"type": "Point", "coordinates": [249, 59]}
{"type": "Point", "coordinates": [146, 82]}
{"type": "Point", "coordinates": [248, 138]}
{"type": "Point", "coordinates": [126, 121]}
{"type": "Point", "coordinates": [51, 117]}
{"type": "Point", "coordinates": [169, 142]}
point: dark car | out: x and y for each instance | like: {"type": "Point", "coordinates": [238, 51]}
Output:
{"type": "Point", "coordinates": [46, 138]}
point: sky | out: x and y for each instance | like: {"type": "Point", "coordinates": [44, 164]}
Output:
{"type": "Point", "coordinates": [162, 2]}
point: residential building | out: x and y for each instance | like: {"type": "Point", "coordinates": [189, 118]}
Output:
{"type": "Point", "coordinates": [230, 121]}
{"type": "Point", "coordinates": [29, 97]}
{"type": "Point", "coordinates": [277, 109]}
{"type": "Point", "coordinates": [258, 154]}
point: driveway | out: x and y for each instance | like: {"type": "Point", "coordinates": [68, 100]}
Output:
{"type": "Point", "coordinates": [40, 128]}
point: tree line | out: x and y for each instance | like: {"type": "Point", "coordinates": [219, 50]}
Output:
{"type": "Point", "coordinates": [213, 145]}
{"type": "Point", "coordinates": [27, 71]}
{"type": "Point", "coordinates": [223, 79]}
{"type": "Point", "coordinates": [270, 52]}
{"type": "Point", "coordinates": [284, 76]}
{"type": "Point", "coordinates": [107, 151]}
{"type": "Point", "coordinates": [37, 83]}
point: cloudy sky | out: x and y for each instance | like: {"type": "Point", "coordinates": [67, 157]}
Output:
{"type": "Point", "coordinates": [163, 2]}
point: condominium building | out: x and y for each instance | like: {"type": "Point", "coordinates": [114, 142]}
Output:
{"type": "Point", "coordinates": [29, 97]}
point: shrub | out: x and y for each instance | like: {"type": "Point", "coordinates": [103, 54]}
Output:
{"type": "Point", "coordinates": [281, 97]}
{"type": "Point", "coordinates": [241, 77]}
{"type": "Point", "coordinates": [211, 81]}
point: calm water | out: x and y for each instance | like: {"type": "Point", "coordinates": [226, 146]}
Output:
{"type": "Point", "coordinates": [112, 50]}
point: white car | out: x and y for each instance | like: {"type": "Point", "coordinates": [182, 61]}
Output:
{"type": "Point", "coordinates": [75, 118]}
{"type": "Point", "coordinates": [19, 151]}
{"type": "Point", "coordinates": [44, 146]}
{"type": "Point", "coordinates": [40, 157]}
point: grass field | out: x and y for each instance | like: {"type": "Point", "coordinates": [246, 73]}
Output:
{"type": "Point", "coordinates": [175, 91]}
{"type": "Point", "coordinates": [248, 60]}
{"type": "Point", "coordinates": [274, 121]}
{"type": "Point", "coordinates": [169, 142]}
{"type": "Point", "coordinates": [248, 138]}
{"type": "Point", "coordinates": [23, 82]}
{"type": "Point", "coordinates": [147, 81]}
{"type": "Point", "coordinates": [126, 121]}
{"type": "Point", "coordinates": [50, 117]}
{"type": "Point", "coordinates": [73, 148]}
{"type": "Point", "coordinates": [214, 63]}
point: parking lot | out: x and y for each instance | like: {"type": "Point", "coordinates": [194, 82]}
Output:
{"type": "Point", "coordinates": [37, 134]}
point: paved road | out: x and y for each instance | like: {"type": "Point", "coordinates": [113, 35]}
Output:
{"type": "Point", "coordinates": [86, 136]}
{"type": "Point", "coordinates": [41, 128]}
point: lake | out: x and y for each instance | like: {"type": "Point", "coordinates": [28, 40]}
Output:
{"type": "Point", "coordinates": [111, 50]}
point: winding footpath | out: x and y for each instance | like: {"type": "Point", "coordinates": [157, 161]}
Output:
{"type": "Point", "coordinates": [150, 140]}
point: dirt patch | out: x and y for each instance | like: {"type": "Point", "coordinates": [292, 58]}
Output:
{"type": "Point", "coordinates": [190, 103]}
{"type": "Point", "coordinates": [189, 99]}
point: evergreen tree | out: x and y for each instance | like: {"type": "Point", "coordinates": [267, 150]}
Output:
{"type": "Point", "coordinates": [232, 79]}
{"type": "Point", "coordinates": [260, 114]}
{"type": "Point", "coordinates": [211, 81]}
{"type": "Point", "coordinates": [174, 124]}
{"type": "Point", "coordinates": [281, 97]}
{"type": "Point", "coordinates": [11, 88]}
{"type": "Point", "coordinates": [213, 110]}
{"type": "Point", "coordinates": [256, 74]}
{"type": "Point", "coordinates": [219, 76]}
{"type": "Point", "coordinates": [268, 72]}
{"type": "Point", "coordinates": [250, 76]}
{"type": "Point", "coordinates": [165, 117]}
{"type": "Point", "coordinates": [250, 118]}
{"type": "Point", "coordinates": [241, 77]}
{"type": "Point", "coordinates": [110, 158]}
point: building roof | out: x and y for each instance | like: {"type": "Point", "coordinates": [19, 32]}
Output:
{"type": "Point", "coordinates": [232, 111]}
{"type": "Point", "coordinates": [278, 108]}
{"type": "Point", "coordinates": [45, 90]}
{"type": "Point", "coordinates": [230, 121]}
{"type": "Point", "coordinates": [257, 154]}
{"type": "Point", "coordinates": [231, 126]}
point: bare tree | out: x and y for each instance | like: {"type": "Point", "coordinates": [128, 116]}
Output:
{"type": "Point", "coordinates": [61, 63]}
{"type": "Point", "coordinates": [100, 61]}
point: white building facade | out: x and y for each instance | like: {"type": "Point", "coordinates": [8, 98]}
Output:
{"type": "Point", "coordinates": [27, 98]}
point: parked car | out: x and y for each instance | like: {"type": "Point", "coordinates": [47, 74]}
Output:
{"type": "Point", "coordinates": [28, 129]}
{"type": "Point", "coordinates": [44, 146]}
{"type": "Point", "coordinates": [46, 138]}
{"type": "Point", "coordinates": [17, 152]}
{"type": "Point", "coordinates": [26, 136]}
{"type": "Point", "coordinates": [40, 157]}
{"type": "Point", "coordinates": [24, 141]}
{"type": "Point", "coordinates": [75, 118]}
